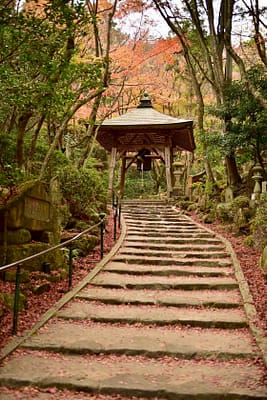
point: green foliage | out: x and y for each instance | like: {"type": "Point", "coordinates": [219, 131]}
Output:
{"type": "Point", "coordinates": [247, 130]}
{"type": "Point", "coordinates": [10, 175]}
{"type": "Point", "coordinates": [240, 202]}
{"type": "Point", "coordinates": [41, 71]}
{"type": "Point", "coordinates": [138, 185]}
{"type": "Point", "coordinates": [85, 190]}
{"type": "Point", "coordinates": [249, 241]}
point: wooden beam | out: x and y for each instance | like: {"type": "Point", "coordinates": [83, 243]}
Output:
{"type": "Point", "coordinates": [133, 159]}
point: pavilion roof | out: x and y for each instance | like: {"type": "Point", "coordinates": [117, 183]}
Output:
{"type": "Point", "coordinates": [145, 127]}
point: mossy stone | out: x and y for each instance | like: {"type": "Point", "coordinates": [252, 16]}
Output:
{"type": "Point", "coordinates": [86, 244]}
{"type": "Point", "coordinates": [54, 277]}
{"type": "Point", "coordinates": [8, 300]}
{"type": "Point", "coordinates": [10, 276]}
{"type": "Point", "coordinates": [16, 236]}
{"type": "Point", "coordinates": [64, 273]}
{"type": "Point", "coordinates": [42, 288]}
{"type": "Point", "coordinates": [16, 253]}
{"type": "Point", "coordinates": [224, 212]}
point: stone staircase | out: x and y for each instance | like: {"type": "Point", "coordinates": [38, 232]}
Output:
{"type": "Point", "coordinates": [164, 319]}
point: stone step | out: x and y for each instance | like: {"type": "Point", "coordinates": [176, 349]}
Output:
{"type": "Point", "coordinates": [113, 280]}
{"type": "Point", "coordinates": [176, 298]}
{"type": "Point", "coordinates": [174, 253]}
{"type": "Point", "coordinates": [162, 245]}
{"type": "Point", "coordinates": [122, 375]}
{"type": "Point", "coordinates": [169, 234]}
{"type": "Point", "coordinates": [172, 217]}
{"type": "Point", "coordinates": [205, 262]}
{"type": "Point", "coordinates": [161, 218]}
{"type": "Point", "coordinates": [146, 238]}
{"type": "Point", "coordinates": [165, 227]}
{"type": "Point", "coordinates": [161, 222]}
{"type": "Point", "coordinates": [154, 315]}
{"type": "Point", "coordinates": [156, 211]}
{"type": "Point", "coordinates": [152, 208]}
{"type": "Point", "coordinates": [154, 218]}
{"type": "Point", "coordinates": [139, 269]}
{"type": "Point", "coordinates": [105, 339]}
{"type": "Point", "coordinates": [145, 202]}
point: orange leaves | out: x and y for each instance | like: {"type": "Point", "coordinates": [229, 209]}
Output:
{"type": "Point", "coordinates": [141, 56]}
{"type": "Point", "coordinates": [129, 6]}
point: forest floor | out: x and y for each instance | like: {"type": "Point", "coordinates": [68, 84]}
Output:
{"type": "Point", "coordinates": [248, 258]}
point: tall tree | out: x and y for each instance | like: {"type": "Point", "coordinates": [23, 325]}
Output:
{"type": "Point", "coordinates": [252, 10]}
{"type": "Point", "coordinates": [101, 14]}
{"type": "Point", "coordinates": [211, 37]}
{"type": "Point", "coordinates": [44, 76]}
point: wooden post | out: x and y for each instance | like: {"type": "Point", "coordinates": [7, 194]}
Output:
{"type": "Point", "coordinates": [168, 171]}
{"type": "Point", "coordinates": [122, 179]}
{"type": "Point", "coordinates": [112, 165]}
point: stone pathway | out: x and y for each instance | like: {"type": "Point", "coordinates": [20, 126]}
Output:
{"type": "Point", "coordinates": [164, 319]}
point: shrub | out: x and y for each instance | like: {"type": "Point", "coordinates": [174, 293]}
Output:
{"type": "Point", "coordinates": [84, 190]}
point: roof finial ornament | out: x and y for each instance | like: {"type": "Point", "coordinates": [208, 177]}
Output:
{"type": "Point", "coordinates": [145, 101]}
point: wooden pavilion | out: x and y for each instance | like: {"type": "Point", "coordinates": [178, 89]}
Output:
{"type": "Point", "coordinates": [142, 134]}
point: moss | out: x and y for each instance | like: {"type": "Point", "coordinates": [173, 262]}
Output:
{"type": "Point", "coordinates": [10, 276]}
{"type": "Point", "coordinates": [240, 202]}
{"type": "Point", "coordinates": [86, 244]}
{"type": "Point", "coordinates": [16, 252]}
{"type": "Point", "coordinates": [224, 212]}
{"type": "Point", "coordinates": [17, 236]}
{"type": "Point", "coordinates": [185, 204]}
{"type": "Point", "coordinates": [42, 288]}
{"type": "Point", "coordinates": [259, 225]}
{"type": "Point", "coordinates": [22, 189]}
{"type": "Point", "coordinates": [8, 301]}
{"type": "Point", "coordinates": [249, 241]}
{"type": "Point", "coordinates": [263, 262]}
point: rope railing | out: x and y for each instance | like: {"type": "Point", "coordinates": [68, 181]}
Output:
{"type": "Point", "coordinates": [67, 243]}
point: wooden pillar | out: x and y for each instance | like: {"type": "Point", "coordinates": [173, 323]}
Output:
{"type": "Point", "coordinates": [112, 165]}
{"type": "Point", "coordinates": [168, 166]}
{"type": "Point", "coordinates": [122, 179]}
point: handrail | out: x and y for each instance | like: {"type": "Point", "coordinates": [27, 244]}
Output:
{"type": "Point", "coordinates": [58, 246]}
{"type": "Point", "coordinates": [19, 263]}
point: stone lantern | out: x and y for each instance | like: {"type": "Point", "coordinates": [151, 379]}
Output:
{"type": "Point", "coordinates": [257, 177]}
{"type": "Point", "coordinates": [178, 171]}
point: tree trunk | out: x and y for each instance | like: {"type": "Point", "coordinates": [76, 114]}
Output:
{"type": "Point", "coordinates": [22, 124]}
{"type": "Point", "coordinates": [89, 144]}
{"type": "Point", "coordinates": [233, 177]}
